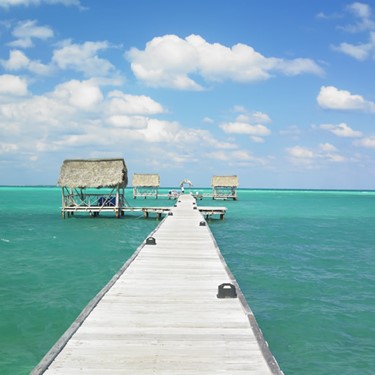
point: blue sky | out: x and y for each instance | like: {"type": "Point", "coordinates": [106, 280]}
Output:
{"type": "Point", "coordinates": [280, 93]}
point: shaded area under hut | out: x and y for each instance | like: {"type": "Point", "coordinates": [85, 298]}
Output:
{"type": "Point", "coordinates": [93, 186]}
{"type": "Point", "coordinates": [145, 185]}
{"type": "Point", "coordinates": [224, 187]}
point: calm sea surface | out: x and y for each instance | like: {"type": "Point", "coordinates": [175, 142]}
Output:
{"type": "Point", "coordinates": [305, 261]}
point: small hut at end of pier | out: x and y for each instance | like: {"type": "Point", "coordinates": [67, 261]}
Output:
{"type": "Point", "coordinates": [224, 187]}
{"type": "Point", "coordinates": [81, 180]}
{"type": "Point", "coordinates": [145, 185]}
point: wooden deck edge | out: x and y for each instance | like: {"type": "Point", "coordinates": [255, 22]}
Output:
{"type": "Point", "coordinates": [268, 356]}
{"type": "Point", "coordinates": [47, 360]}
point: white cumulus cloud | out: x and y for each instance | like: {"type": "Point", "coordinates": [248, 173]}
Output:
{"type": "Point", "coordinates": [76, 116]}
{"type": "Point", "coordinates": [83, 58]}
{"type": "Point", "coordinates": [360, 51]}
{"type": "Point", "coordinates": [330, 97]}
{"type": "Point", "coordinates": [166, 61]}
{"type": "Point", "coordinates": [260, 117]}
{"type": "Point", "coordinates": [363, 22]}
{"type": "Point", "coordinates": [363, 14]}
{"type": "Point", "coordinates": [308, 157]}
{"type": "Point", "coordinates": [245, 128]}
{"type": "Point", "coordinates": [121, 103]}
{"type": "Point", "coordinates": [7, 148]}
{"type": "Point", "coordinates": [85, 95]}
{"type": "Point", "coordinates": [234, 156]}
{"type": "Point", "coordinates": [300, 152]}
{"type": "Point", "coordinates": [12, 85]}
{"type": "Point", "coordinates": [19, 61]}
{"type": "Point", "coordinates": [11, 3]}
{"type": "Point", "coordinates": [249, 124]}
{"type": "Point", "coordinates": [341, 130]}
{"type": "Point", "coordinates": [327, 147]}
{"type": "Point", "coordinates": [26, 31]}
{"type": "Point", "coordinates": [128, 122]}
{"type": "Point", "coordinates": [171, 61]}
{"type": "Point", "coordinates": [256, 117]}
{"type": "Point", "coordinates": [367, 142]}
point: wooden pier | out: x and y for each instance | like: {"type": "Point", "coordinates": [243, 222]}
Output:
{"type": "Point", "coordinates": [174, 308]}
{"type": "Point", "coordinates": [159, 212]}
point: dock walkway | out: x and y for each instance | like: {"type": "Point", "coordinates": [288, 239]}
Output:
{"type": "Point", "coordinates": [159, 211]}
{"type": "Point", "coordinates": [207, 212]}
{"type": "Point", "coordinates": [160, 313]}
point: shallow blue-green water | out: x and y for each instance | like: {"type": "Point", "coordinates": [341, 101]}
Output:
{"type": "Point", "coordinates": [305, 261]}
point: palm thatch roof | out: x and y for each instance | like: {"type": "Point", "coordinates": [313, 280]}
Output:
{"type": "Point", "coordinates": [146, 180]}
{"type": "Point", "coordinates": [93, 173]}
{"type": "Point", "coordinates": [224, 181]}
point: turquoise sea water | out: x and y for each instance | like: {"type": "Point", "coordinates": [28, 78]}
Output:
{"type": "Point", "coordinates": [305, 261]}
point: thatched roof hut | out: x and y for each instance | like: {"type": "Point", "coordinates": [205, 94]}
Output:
{"type": "Point", "coordinates": [224, 181]}
{"type": "Point", "coordinates": [149, 180]}
{"type": "Point", "coordinates": [93, 173]}
{"type": "Point", "coordinates": [224, 187]}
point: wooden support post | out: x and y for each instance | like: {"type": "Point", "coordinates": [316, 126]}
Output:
{"type": "Point", "coordinates": [118, 206]}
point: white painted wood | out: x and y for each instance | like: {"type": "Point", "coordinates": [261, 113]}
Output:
{"type": "Point", "coordinates": [162, 315]}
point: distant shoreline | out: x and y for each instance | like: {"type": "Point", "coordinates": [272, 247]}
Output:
{"type": "Point", "coordinates": [209, 188]}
